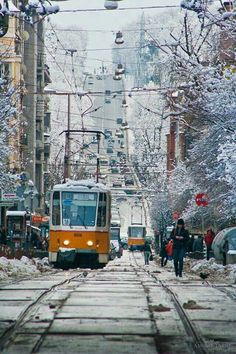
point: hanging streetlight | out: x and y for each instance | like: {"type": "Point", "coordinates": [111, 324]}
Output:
{"type": "Point", "coordinates": [119, 70]}
{"type": "Point", "coordinates": [111, 5]}
{"type": "Point", "coordinates": [117, 77]}
{"type": "Point", "coordinates": [119, 38]}
{"type": "Point", "coordinates": [124, 103]}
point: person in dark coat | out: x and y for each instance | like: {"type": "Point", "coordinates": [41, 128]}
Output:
{"type": "Point", "coordinates": [180, 237]}
{"type": "Point", "coordinates": [163, 253]}
{"type": "Point", "coordinates": [147, 252]}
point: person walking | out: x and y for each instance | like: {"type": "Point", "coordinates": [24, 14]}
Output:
{"type": "Point", "coordinates": [209, 237]}
{"type": "Point", "coordinates": [147, 252]}
{"type": "Point", "coordinates": [198, 244]}
{"type": "Point", "coordinates": [163, 253]}
{"type": "Point", "coordinates": [180, 237]}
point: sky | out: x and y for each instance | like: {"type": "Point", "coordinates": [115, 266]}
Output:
{"type": "Point", "coordinates": [108, 21]}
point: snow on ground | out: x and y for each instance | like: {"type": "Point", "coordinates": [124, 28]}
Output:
{"type": "Point", "coordinates": [216, 271]}
{"type": "Point", "coordinates": [15, 268]}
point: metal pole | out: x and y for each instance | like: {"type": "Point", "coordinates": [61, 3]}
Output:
{"type": "Point", "coordinates": [67, 145]}
{"type": "Point", "coordinates": [68, 137]}
{"type": "Point", "coordinates": [202, 216]}
{"type": "Point", "coordinates": [31, 211]}
{"type": "Point", "coordinates": [98, 158]}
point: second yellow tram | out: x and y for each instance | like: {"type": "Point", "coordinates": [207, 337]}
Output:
{"type": "Point", "coordinates": [80, 224]}
{"type": "Point", "coordinates": [136, 237]}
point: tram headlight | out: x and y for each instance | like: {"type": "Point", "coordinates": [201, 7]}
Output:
{"type": "Point", "coordinates": [90, 243]}
{"type": "Point", "coordinates": [66, 242]}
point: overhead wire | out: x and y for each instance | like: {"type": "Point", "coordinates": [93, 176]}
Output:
{"type": "Point", "coordinates": [122, 8]}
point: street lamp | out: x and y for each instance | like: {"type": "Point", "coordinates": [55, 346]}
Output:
{"type": "Point", "coordinates": [119, 38]}
{"type": "Point", "coordinates": [111, 5]}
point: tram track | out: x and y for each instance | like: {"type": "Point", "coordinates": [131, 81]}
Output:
{"type": "Point", "coordinates": [10, 332]}
{"type": "Point", "coordinates": [196, 345]}
{"type": "Point", "coordinates": [223, 290]}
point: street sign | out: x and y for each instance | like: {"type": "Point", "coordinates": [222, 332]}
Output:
{"type": "Point", "coordinates": [201, 199]}
{"type": "Point", "coordinates": [36, 219]}
{"type": "Point", "coordinates": [8, 197]}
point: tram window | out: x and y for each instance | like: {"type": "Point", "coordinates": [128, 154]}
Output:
{"type": "Point", "coordinates": [102, 210]}
{"type": "Point", "coordinates": [137, 232]}
{"type": "Point", "coordinates": [56, 218]}
{"type": "Point", "coordinates": [79, 209]}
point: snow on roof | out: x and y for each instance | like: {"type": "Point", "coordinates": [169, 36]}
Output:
{"type": "Point", "coordinates": [82, 185]}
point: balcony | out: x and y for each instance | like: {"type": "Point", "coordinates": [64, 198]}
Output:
{"type": "Point", "coordinates": [39, 146]}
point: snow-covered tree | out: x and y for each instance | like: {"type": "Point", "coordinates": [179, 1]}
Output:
{"type": "Point", "coordinates": [8, 127]}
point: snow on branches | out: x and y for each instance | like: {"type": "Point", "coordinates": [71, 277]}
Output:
{"type": "Point", "coordinates": [7, 130]}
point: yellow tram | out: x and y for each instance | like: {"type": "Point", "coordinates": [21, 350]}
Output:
{"type": "Point", "coordinates": [80, 224]}
{"type": "Point", "coordinates": [136, 237]}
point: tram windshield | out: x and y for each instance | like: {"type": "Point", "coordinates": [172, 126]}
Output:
{"type": "Point", "coordinates": [135, 231]}
{"type": "Point", "coordinates": [79, 209]}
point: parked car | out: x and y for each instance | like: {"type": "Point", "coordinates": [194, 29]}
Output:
{"type": "Point", "coordinates": [112, 253]}
{"type": "Point", "coordinates": [129, 181]}
{"type": "Point", "coordinates": [117, 183]}
{"type": "Point", "coordinates": [115, 170]}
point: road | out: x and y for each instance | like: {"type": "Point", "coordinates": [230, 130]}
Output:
{"type": "Point", "coordinates": [125, 308]}
{"type": "Point", "coordinates": [110, 108]}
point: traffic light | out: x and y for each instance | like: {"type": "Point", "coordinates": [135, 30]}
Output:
{"type": "Point", "coordinates": [4, 18]}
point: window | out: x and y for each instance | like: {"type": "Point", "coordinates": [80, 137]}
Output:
{"type": "Point", "coordinates": [137, 232]}
{"type": "Point", "coordinates": [102, 210]}
{"type": "Point", "coordinates": [5, 71]}
{"type": "Point", "coordinates": [79, 208]}
{"type": "Point", "coordinates": [56, 217]}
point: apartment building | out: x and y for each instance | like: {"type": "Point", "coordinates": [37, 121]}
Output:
{"type": "Point", "coordinates": [22, 62]}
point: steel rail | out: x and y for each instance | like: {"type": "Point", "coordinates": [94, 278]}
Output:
{"type": "Point", "coordinates": [197, 346]}
{"type": "Point", "coordinates": [5, 338]}
{"type": "Point", "coordinates": [223, 290]}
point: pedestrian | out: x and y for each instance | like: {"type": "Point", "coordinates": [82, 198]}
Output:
{"type": "Point", "coordinates": [209, 237]}
{"type": "Point", "coordinates": [198, 247]}
{"type": "Point", "coordinates": [163, 253]}
{"type": "Point", "coordinates": [198, 244]}
{"type": "Point", "coordinates": [147, 252]}
{"type": "Point", "coordinates": [180, 237]}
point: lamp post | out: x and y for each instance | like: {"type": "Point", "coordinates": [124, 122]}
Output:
{"type": "Point", "coordinates": [31, 195]}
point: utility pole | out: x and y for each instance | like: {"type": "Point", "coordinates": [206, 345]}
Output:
{"type": "Point", "coordinates": [67, 167]}
{"type": "Point", "coordinates": [98, 157]}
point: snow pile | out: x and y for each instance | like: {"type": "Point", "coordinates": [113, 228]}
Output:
{"type": "Point", "coordinates": [214, 269]}
{"type": "Point", "coordinates": [23, 267]}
